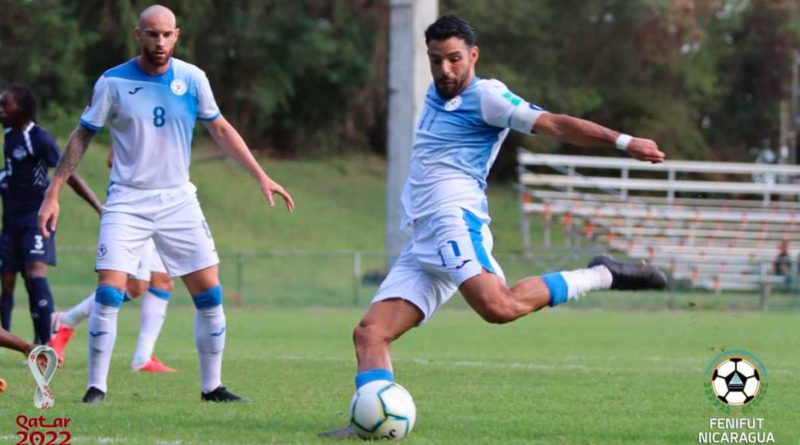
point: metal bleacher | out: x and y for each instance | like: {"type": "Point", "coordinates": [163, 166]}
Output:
{"type": "Point", "coordinates": [707, 223]}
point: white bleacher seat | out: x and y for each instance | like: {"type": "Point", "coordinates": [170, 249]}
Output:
{"type": "Point", "coordinates": [704, 221]}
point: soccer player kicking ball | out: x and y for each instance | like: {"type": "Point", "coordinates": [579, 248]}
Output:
{"type": "Point", "coordinates": [461, 127]}
{"type": "Point", "coordinates": [151, 104]}
{"type": "Point", "coordinates": [150, 280]}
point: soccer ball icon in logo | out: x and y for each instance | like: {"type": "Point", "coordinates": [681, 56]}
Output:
{"type": "Point", "coordinates": [735, 381]}
{"type": "Point", "coordinates": [382, 410]}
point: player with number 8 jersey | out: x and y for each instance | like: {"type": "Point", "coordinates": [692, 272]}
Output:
{"type": "Point", "coordinates": [152, 117]}
{"type": "Point", "coordinates": [151, 104]}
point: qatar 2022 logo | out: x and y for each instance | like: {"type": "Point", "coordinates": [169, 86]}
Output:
{"type": "Point", "coordinates": [736, 379]}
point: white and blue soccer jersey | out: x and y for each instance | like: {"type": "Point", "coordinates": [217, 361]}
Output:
{"type": "Point", "coordinates": [152, 118]}
{"type": "Point", "coordinates": [456, 143]}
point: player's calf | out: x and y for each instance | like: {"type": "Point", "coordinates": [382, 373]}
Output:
{"type": "Point", "coordinates": [496, 303]}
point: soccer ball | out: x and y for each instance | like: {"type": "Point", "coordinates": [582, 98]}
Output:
{"type": "Point", "coordinates": [382, 410]}
{"type": "Point", "coordinates": [735, 381]}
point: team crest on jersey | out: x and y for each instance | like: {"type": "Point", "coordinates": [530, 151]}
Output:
{"type": "Point", "coordinates": [453, 103]}
{"type": "Point", "coordinates": [18, 153]}
{"type": "Point", "coordinates": [178, 87]}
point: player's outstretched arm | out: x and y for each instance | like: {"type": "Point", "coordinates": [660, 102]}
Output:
{"type": "Point", "coordinates": [79, 186]}
{"type": "Point", "coordinates": [11, 341]}
{"type": "Point", "coordinates": [76, 146]}
{"type": "Point", "coordinates": [583, 133]}
{"type": "Point", "coordinates": [227, 138]}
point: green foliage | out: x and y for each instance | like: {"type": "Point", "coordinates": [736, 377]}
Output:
{"type": "Point", "coordinates": [40, 47]}
{"type": "Point", "coordinates": [696, 76]}
{"type": "Point", "coordinates": [279, 68]}
{"type": "Point", "coordinates": [754, 53]}
{"type": "Point", "coordinates": [703, 77]}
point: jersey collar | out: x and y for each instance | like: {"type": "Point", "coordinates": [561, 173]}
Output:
{"type": "Point", "coordinates": [25, 130]}
{"type": "Point", "coordinates": [167, 73]}
{"type": "Point", "coordinates": [469, 87]}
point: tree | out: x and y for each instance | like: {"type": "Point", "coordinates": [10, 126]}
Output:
{"type": "Point", "coordinates": [40, 46]}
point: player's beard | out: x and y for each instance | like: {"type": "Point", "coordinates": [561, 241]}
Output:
{"type": "Point", "coordinates": [448, 87]}
{"type": "Point", "coordinates": [156, 59]}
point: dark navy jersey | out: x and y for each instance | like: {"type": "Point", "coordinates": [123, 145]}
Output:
{"type": "Point", "coordinates": [29, 154]}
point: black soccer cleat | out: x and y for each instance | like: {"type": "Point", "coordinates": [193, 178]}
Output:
{"type": "Point", "coordinates": [93, 395]}
{"type": "Point", "coordinates": [221, 395]}
{"type": "Point", "coordinates": [341, 433]}
{"type": "Point", "coordinates": [631, 275]}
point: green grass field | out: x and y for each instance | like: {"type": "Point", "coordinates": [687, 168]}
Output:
{"type": "Point", "coordinates": [610, 368]}
{"type": "Point", "coordinates": [557, 377]}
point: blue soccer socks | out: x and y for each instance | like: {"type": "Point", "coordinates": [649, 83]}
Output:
{"type": "Point", "coordinates": [41, 305]}
{"type": "Point", "coordinates": [6, 307]}
{"type": "Point", "coordinates": [364, 377]}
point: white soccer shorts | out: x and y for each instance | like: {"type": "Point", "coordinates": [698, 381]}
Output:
{"type": "Point", "coordinates": [171, 217]}
{"type": "Point", "coordinates": [448, 248]}
{"type": "Point", "coordinates": [149, 261]}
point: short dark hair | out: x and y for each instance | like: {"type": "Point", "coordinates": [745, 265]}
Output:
{"type": "Point", "coordinates": [26, 100]}
{"type": "Point", "coordinates": [448, 26]}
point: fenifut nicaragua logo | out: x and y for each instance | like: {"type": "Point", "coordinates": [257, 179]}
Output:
{"type": "Point", "coordinates": [736, 379]}
{"type": "Point", "coordinates": [735, 383]}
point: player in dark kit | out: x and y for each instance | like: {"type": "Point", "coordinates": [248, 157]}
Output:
{"type": "Point", "coordinates": [29, 151]}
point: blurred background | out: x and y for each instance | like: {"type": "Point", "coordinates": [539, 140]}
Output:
{"type": "Point", "coordinates": [709, 79]}
{"type": "Point", "coordinates": [306, 83]}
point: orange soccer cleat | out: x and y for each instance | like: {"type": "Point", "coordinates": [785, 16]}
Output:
{"type": "Point", "coordinates": [60, 339]}
{"type": "Point", "coordinates": [154, 365]}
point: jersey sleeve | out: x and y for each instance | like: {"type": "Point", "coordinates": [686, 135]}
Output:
{"type": "Point", "coordinates": [96, 113]}
{"type": "Point", "coordinates": [207, 109]}
{"type": "Point", "coordinates": [48, 150]}
{"type": "Point", "coordinates": [502, 108]}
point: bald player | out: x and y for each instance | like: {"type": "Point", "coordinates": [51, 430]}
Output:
{"type": "Point", "coordinates": [151, 104]}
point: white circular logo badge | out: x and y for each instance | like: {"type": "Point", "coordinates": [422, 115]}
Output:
{"type": "Point", "coordinates": [736, 380]}
{"type": "Point", "coordinates": [178, 87]}
{"type": "Point", "coordinates": [453, 103]}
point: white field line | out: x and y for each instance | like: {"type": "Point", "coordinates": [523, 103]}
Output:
{"type": "Point", "coordinates": [672, 364]}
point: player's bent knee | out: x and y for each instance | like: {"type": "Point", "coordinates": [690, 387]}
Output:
{"type": "Point", "coordinates": [370, 334]}
{"type": "Point", "coordinates": [162, 281]}
{"type": "Point", "coordinates": [136, 288]}
{"type": "Point", "coordinates": [35, 269]}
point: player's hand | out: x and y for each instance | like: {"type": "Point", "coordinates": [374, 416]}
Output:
{"type": "Point", "coordinates": [48, 215]}
{"type": "Point", "coordinates": [270, 188]}
{"type": "Point", "coordinates": [41, 362]}
{"type": "Point", "coordinates": [645, 150]}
